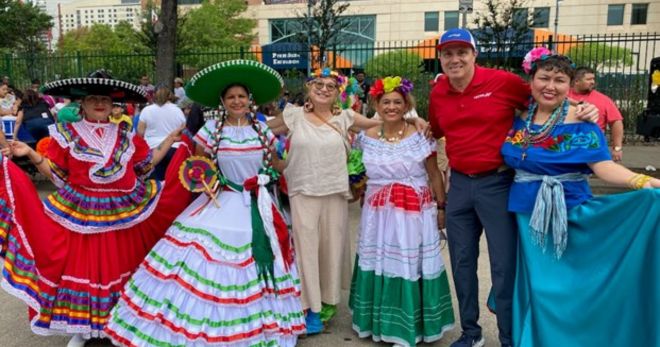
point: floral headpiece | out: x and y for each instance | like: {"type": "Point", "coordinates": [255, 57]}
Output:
{"type": "Point", "coordinates": [538, 53]}
{"type": "Point", "coordinates": [327, 72]}
{"type": "Point", "coordinates": [390, 84]}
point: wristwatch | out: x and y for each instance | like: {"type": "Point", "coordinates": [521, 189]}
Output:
{"type": "Point", "coordinates": [617, 148]}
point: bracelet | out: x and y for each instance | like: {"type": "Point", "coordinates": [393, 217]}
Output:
{"type": "Point", "coordinates": [638, 181]}
{"type": "Point", "coordinates": [40, 161]}
{"type": "Point", "coordinates": [441, 205]}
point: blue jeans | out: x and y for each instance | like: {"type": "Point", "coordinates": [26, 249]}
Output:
{"type": "Point", "coordinates": [474, 205]}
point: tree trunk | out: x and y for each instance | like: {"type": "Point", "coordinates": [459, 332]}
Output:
{"type": "Point", "coordinates": [166, 43]}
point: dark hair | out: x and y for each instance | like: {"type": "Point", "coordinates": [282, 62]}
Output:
{"type": "Point", "coordinates": [559, 63]}
{"type": "Point", "coordinates": [36, 81]}
{"type": "Point", "coordinates": [299, 99]}
{"type": "Point", "coordinates": [31, 97]}
{"type": "Point", "coordinates": [223, 93]}
{"type": "Point", "coordinates": [195, 119]}
{"type": "Point", "coordinates": [583, 70]}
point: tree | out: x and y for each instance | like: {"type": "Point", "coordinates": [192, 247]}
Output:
{"type": "Point", "coordinates": [216, 26]}
{"type": "Point", "coordinates": [502, 25]}
{"type": "Point", "coordinates": [21, 24]}
{"type": "Point", "coordinates": [165, 29]}
{"type": "Point", "coordinates": [397, 63]}
{"type": "Point", "coordinates": [324, 25]}
{"type": "Point", "coordinates": [600, 55]}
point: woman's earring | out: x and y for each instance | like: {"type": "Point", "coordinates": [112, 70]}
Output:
{"type": "Point", "coordinates": [308, 106]}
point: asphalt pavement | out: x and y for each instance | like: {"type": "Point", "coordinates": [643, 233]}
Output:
{"type": "Point", "coordinates": [15, 331]}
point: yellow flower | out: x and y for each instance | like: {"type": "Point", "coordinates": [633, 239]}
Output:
{"type": "Point", "coordinates": [517, 138]}
{"type": "Point", "coordinates": [390, 83]}
{"type": "Point", "coordinates": [655, 77]}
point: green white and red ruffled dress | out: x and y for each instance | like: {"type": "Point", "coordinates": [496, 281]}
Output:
{"type": "Point", "coordinates": [69, 255]}
{"type": "Point", "coordinates": [204, 283]}
{"type": "Point", "coordinates": [399, 293]}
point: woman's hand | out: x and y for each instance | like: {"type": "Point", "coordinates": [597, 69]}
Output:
{"type": "Point", "coordinates": [422, 126]}
{"type": "Point", "coordinates": [175, 136]}
{"type": "Point", "coordinates": [20, 149]}
{"type": "Point", "coordinates": [441, 219]}
{"type": "Point", "coordinates": [6, 151]}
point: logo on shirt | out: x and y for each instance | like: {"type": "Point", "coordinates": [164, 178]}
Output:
{"type": "Point", "coordinates": [483, 95]}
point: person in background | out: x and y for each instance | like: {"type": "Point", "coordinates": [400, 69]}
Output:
{"type": "Point", "coordinates": [157, 121]}
{"type": "Point", "coordinates": [34, 114]}
{"type": "Point", "coordinates": [36, 85]}
{"type": "Point", "coordinates": [148, 88]}
{"type": "Point", "coordinates": [70, 112]}
{"type": "Point", "coordinates": [362, 82]}
{"type": "Point", "coordinates": [179, 92]}
{"type": "Point", "coordinates": [7, 101]}
{"type": "Point", "coordinates": [584, 89]}
{"type": "Point", "coordinates": [284, 100]}
{"type": "Point", "coordinates": [118, 115]}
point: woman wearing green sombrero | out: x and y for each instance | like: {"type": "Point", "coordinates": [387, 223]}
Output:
{"type": "Point", "coordinates": [224, 274]}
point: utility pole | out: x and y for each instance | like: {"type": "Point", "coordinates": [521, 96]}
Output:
{"type": "Point", "coordinates": [556, 17]}
{"type": "Point", "coordinates": [465, 7]}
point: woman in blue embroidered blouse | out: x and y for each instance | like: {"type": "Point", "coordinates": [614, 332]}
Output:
{"type": "Point", "coordinates": [598, 283]}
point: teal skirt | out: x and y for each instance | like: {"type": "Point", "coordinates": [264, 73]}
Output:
{"type": "Point", "coordinates": [605, 289]}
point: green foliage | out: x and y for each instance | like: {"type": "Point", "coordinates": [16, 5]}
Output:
{"type": "Point", "coordinates": [500, 24]}
{"type": "Point", "coordinates": [21, 24]}
{"type": "Point", "coordinates": [600, 55]}
{"type": "Point", "coordinates": [215, 26]}
{"type": "Point", "coordinates": [396, 63]}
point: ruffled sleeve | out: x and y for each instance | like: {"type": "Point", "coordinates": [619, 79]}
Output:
{"type": "Point", "coordinates": [142, 158]}
{"type": "Point", "coordinates": [290, 116]}
{"type": "Point", "coordinates": [58, 153]}
{"type": "Point", "coordinates": [204, 136]}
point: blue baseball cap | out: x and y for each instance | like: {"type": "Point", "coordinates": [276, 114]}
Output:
{"type": "Point", "coordinates": [457, 36]}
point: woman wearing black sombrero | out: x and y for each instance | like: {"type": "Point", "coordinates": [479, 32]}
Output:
{"type": "Point", "coordinates": [69, 256]}
{"type": "Point", "coordinates": [224, 274]}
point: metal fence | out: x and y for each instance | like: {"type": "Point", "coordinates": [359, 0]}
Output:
{"type": "Point", "coordinates": [621, 60]}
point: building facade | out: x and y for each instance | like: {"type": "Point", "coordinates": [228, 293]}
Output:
{"type": "Point", "coordinates": [402, 20]}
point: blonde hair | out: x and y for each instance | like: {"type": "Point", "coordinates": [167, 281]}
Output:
{"type": "Point", "coordinates": [162, 96]}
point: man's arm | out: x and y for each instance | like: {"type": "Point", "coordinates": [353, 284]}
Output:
{"type": "Point", "coordinates": [617, 140]}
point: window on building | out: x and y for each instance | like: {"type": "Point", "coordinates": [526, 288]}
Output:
{"type": "Point", "coordinates": [520, 17]}
{"type": "Point", "coordinates": [615, 14]}
{"type": "Point", "coordinates": [541, 17]}
{"type": "Point", "coordinates": [639, 14]}
{"type": "Point", "coordinates": [431, 21]}
{"type": "Point", "coordinates": [451, 20]}
{"type": "Point", "coordinates": [189, 2]}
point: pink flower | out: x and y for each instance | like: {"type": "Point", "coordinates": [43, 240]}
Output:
{"type": "Point", "coordinates": [532, 56]}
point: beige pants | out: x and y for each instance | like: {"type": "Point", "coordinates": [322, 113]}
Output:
{"type": "Point", "coordinates": [320, 227]}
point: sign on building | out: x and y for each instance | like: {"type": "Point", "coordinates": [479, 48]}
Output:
{"type": "Point", "coordinates": [285, 55]}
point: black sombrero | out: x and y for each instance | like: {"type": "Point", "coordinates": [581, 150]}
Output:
{"type": "Point", "coordinates": [97, 83]}
{"type": "Point", "coordinates": [262, 81]}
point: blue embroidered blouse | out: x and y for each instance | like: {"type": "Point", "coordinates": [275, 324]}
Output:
{"type": "Point", "coordinates": [568, 150]}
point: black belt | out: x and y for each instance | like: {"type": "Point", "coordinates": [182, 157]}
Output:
{"type": "Point", "coordinates": [485, 173]}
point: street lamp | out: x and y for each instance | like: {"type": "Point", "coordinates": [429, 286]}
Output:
{"type": "Point", "coordinates": [310, 3]}
{"type": "Point", "coordinates": [556, 17]}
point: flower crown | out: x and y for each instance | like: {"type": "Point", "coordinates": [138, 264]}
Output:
{"type": "Point", "coordinates": [390, 84]}
{"type": "Point", "coordinates": [539, 53]}
{"type": "Point", "coordinates": [327, 72]}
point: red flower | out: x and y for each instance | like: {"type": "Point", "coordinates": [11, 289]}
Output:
{"type": "Point", "coordinates": [377, 89]}
{"type": "Point", "coordinates": [547, 143]}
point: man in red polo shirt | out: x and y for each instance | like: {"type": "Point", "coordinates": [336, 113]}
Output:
{"type": "Point", "coordinates": [583, 89]}
{"type": "Point", "coordinates": [474, 108]}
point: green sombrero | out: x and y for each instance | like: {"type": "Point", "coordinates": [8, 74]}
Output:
{"type": "Point", "coordinates": [262, 81]}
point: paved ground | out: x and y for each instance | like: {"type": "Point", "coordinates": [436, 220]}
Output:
{"type": "Point", "coordinates": [14, 330]}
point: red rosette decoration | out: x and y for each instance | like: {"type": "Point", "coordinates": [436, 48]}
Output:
{"type": "Point", "coordinates": [198, 174]}
{"type": "Point", "coordinates": [42, 146]}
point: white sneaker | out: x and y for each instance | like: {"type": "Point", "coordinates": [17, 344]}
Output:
{"type": "Point", "coordinates": [76, 341]}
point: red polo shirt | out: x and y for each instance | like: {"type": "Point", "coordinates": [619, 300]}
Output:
{"type": "Point", "coordinates": [608, 113]}
{"type": "Point", "coordinates": [475, 122]}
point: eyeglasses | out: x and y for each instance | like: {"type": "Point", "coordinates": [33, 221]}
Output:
{"type": "Point", "coordinates": [318, 85]}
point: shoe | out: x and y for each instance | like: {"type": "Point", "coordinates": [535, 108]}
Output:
{"type": "Point", "coordinates": [327, 312]}
{"type": "Point", "coordinates": [313, 322]}
{"type": "Point", "coordinates": [76, 341]}
{"type": "Point", "coordinates": [469, 341]}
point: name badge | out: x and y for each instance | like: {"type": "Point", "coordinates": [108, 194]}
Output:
{"type": "Point", "coordinates": [44, 115]}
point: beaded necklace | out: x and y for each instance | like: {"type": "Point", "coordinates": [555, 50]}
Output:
{"type": "Point", "coordinates": [531, 136]}
{"type": "Point", "coordinates": [393, 139]}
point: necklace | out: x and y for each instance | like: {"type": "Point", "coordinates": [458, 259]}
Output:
{"type": "Point", "coordinates": [393, 139]}
{"type": "Point", "coordinates": [531, 136]}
